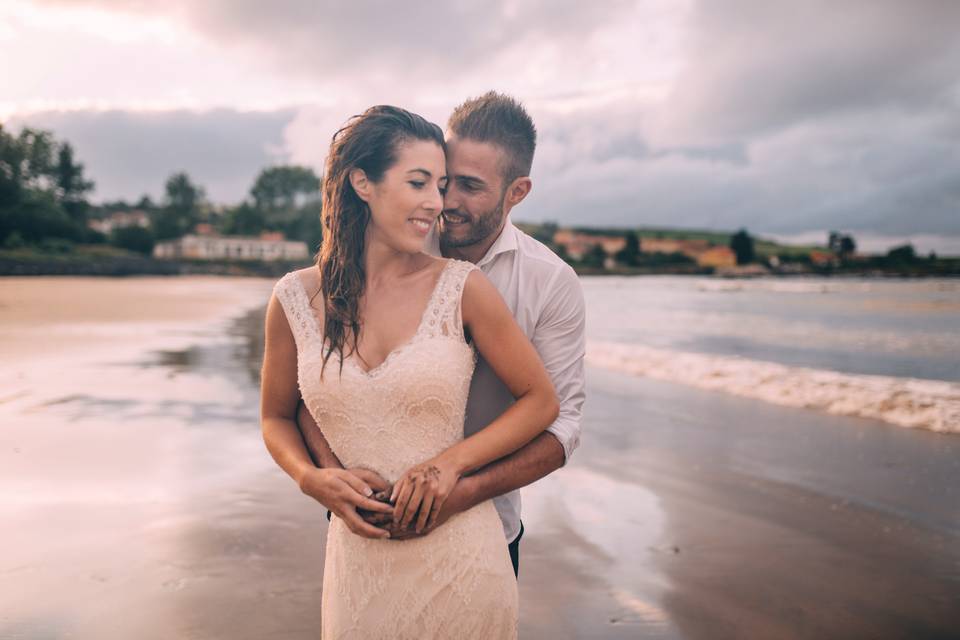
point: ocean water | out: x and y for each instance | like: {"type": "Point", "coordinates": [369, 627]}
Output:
{"type": "Point", "coordinates": [884, 349]}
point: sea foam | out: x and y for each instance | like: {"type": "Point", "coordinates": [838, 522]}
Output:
{"type": "Point", "coordinates": [906, 402]}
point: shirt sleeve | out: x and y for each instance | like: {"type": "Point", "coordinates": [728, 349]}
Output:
{"type": "Point", "coordinates": [560, 339]}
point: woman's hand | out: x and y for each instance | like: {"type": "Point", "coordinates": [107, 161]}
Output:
{"type": "Point", "coordinates": [421, 491]}
{"type": "Point", "coordinates": [381, 493]}
{"type": "Point", "coordinates": [343, 492]}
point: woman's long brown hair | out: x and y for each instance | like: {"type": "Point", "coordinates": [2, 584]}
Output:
{"type": "Point", "coordinates": [369, 142]}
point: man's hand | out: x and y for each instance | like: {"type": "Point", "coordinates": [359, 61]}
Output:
{"type": "Point", "coordinates": [460, 499]}
{"type": "Point", "coordinates": [344, 492]}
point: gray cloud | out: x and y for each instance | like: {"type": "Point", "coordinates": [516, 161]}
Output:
{"type": "Point", "coordinates": [786, 117]}
{"type": "Point", "coordinates": [131, 153]}
{"type": "Point", "coordinates": [372, 40]}
{"type": "Point", "coordinates": [783, 116]}
{"type": "Point", "coordinates": [886, 171]}
{"type": "Point", "coordinates": [757, 67]}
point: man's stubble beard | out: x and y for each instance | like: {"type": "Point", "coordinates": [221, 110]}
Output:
{"type": "Point", "coordinates": [486, 225]}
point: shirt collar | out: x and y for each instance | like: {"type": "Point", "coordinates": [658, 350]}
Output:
{"type": "Point", "coordinates": [505, 242]}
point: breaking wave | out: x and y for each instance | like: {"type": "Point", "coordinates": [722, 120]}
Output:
{"type": "Point", "coordinates": [906, 402]}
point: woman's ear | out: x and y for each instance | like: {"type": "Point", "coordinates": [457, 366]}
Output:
{"type": "Point", "coordinates": [360, 184]}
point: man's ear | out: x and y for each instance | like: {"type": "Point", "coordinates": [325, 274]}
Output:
{"type": "Point", "coordinates": [518, 190]}
{"type": "Point", "coordinates": [361, 185]}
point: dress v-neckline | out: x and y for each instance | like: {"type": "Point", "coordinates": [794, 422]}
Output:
{"type": "Point", "coordinates": [373, 371]}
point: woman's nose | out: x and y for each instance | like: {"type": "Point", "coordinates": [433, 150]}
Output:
{"type": "Point", "coordinates": [434, 203]}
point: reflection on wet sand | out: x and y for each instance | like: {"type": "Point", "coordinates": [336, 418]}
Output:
{"type": "Point", "coordinates": [780, 524]}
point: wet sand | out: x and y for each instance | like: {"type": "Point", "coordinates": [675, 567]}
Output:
{"type": "Point", "coordinates": [691, 514]}
{"type": "Point", "coordinates": [138, 500]}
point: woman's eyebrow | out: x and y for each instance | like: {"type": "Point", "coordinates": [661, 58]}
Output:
{"type": "Point", "coordinates": [423, 171]}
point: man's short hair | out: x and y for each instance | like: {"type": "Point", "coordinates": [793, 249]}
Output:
{"type": "Point", "coordinates": [501, 120]}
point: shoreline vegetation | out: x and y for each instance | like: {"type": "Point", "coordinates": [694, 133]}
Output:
{"type": "Point", "coordinates": [87, 260]}
{"type": "Point", "coordinates": [58, 257]}
{"type": "Point", "coordinates": [49, 227]}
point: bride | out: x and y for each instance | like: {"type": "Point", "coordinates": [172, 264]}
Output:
{"type": "Point", "coordinates": [379, 340]}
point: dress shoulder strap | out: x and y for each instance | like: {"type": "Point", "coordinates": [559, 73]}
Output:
{"type": "Point", "coordinates": [444, 313]}
{"type": "Point", "coordinates": [296, 305]}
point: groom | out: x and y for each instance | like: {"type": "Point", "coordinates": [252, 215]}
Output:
{"type": "Point", "coordinates": [490, 145]}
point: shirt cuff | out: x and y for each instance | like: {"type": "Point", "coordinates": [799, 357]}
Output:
{"type": "Point", "coordinates": [568, 437]}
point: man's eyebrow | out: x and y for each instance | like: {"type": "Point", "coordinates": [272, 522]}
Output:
{"type": "Point", "coordinates": [469, 180]}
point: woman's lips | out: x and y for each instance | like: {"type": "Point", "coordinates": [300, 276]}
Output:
{"type": "Point", "coordinates": [422, 225]}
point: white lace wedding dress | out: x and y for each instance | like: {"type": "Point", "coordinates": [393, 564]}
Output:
{"type": "Point", "coordinates": [457, 582]}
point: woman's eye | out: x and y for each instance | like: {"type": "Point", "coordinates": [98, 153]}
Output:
{"type": "Point", "coordinates": [417, 185]}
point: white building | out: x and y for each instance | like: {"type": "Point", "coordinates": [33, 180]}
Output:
{"type": "Point", "coordinates": [269, 246]}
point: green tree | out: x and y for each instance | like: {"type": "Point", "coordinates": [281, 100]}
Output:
{"type": "Point", "coordinates": [181, 208]}
{"type": "Point", "coordinates": [902, 253]}
{"type": "Point", "coordinates": [545, 232]}
{"type": "Point", "coordinates": [842, 245]}
{"type": "Point", "coordinates": [742, 244]}
{"type": "Point", "coordinates": [32, 201]}
{"type": "Point", "coordinates": [280, 187]}
{"type": "Point", "coordinates": [145, 203]}
{"type": "Point", "coordinates": [13, 241]}
{"type": "Point", "coordinates": [631, 251]}
{"type": "Point", "coordinates": [133, 238]}
{"type": "Point", "coordinates": [182, 194]}
{"type": "Point", "coordinates": [37, 149]}
{"type": "Point", "coordinates": [25, 163]}
{"type": "Point", "coordinates": [847, 245]}
{"type": "Point", "coordinates": [306, 226]}
{"type": "Point", "coordinates": [279, 191]}
{"type": "Point", "coordinates": [595, 257]}
{"type": "Point", "coordinates": [244, 220]}
{"type": "Point", "coordinates": [71, 185]}
{"type": "Point", "coordinates": [71, 188]}
{"type": "Point", "coordinates": [35, 217]}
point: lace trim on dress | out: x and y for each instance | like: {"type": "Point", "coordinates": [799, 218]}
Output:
{"type": "Point", "coordinates": [443, 314]}
{"type": "Point", "coordinates": [441, 317]}
{"type": "Point", "coordinates": [292, 295]}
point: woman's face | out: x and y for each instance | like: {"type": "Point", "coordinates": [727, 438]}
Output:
{"type": "Point", "coordinates": [405, 204]}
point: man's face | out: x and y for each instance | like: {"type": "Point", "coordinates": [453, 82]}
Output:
{"type": "Point", "coordinates": [473, 203]}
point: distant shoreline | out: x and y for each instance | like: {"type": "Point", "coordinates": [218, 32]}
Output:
{"type": "Point", "coordinates": [134, 265]}
{"type": "Point", "coordinates": [24, 263]}
{"type": "Point", "coordinates": [911, 271]}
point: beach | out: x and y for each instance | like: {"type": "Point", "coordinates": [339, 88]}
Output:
{"type": "Point", "coordinates": [139, 500]}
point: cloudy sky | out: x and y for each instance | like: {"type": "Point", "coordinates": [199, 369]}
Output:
{"type": "Point", "coordinates": [787, 117]}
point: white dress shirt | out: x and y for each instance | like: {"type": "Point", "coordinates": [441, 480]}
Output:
{"type": "Point", "coordinates": [544, 294]}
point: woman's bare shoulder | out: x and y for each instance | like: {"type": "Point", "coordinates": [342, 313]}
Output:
{"type": "Point", "coordinates": [309, 275]}
{"type": "Point", "coordinates": [480, 297]}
